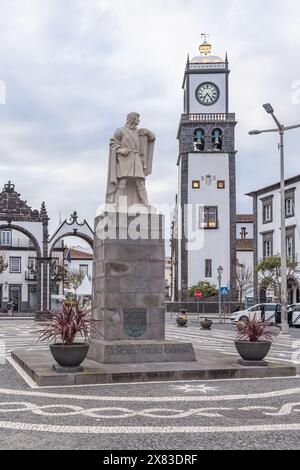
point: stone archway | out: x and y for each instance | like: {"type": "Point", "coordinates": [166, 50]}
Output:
{"type": "Point", "coordinates": [39, 259]}
{"type": "Point", "coordinates": [69, 228]}
{"type": "Point", "coordinates": [72, 228]}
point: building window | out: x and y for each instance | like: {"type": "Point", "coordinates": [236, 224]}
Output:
{"type": "Point", "coordinates": [199, 140]}
{"type": "Point", "coordinates": [84, 269]}
{"type": "Point", "coordinates": [196, 184]}
{"type": "Point", "coordinates": [209, 217]}
{"type": "Point", "coordinates": [267, 211]}
{"type": "Point", "coordinates": [217, 139]}
{"type": "Point", "coordinates": [208, 268]}
{"type": "Point", "coordinates": [6, 238]}
{"type": "Point", "coordinates": [14, 264]}
{"type": "Point", "coordinates": [32, 264]}
{"type": "Point", "coordinates": [268, 245]}
{"type": "Point", "coordinates": [290, 205]}
{"type": "Point", "coordinates": [290, 243]}
{"type": "Point", "coordinates": [221, 184]}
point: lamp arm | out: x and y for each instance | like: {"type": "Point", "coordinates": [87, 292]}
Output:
{"type": "Point", "coordinates": [289, 128]}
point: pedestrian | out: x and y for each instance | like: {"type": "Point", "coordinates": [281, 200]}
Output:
{"type": "Point", "coordinates": [10, 308]}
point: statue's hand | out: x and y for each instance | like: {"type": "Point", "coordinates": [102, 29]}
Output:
{"type": "Point", "coordinates": [143, 132]}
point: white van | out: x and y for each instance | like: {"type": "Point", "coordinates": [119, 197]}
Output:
{"type": "Point", "coordinates": [294, 315]}
{"type": "Point", "coordinates": [262, 312]}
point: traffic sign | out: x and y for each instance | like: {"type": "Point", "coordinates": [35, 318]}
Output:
{"type": "Point", "coordinates": [224, 290]}
{"type": "Point", "coordinates": [198, 294]}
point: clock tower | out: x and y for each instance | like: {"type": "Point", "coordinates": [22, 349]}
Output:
{"type": "Point", "coordinates": [206, 217]}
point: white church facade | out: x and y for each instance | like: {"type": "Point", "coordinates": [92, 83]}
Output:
{"type": "Point", "coordinates": [207, 231]}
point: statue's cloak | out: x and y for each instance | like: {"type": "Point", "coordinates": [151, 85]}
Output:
{"type": "Point", "coordinates": [141, 148]}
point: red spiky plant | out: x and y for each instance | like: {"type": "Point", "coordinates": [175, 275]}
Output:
{"type": "Point", "coordinates": [254, 330]}
{"type": "Point", "coordinates": [67, 324]}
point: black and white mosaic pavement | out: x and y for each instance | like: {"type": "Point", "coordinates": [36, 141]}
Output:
{"type": "Point", "coordinates": [232, 414]}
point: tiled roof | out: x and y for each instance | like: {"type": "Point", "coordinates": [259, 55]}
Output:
{"type": "Point", "coordinates": [245, 245]}
{"type": "Point", "coordinates": [76, 254]}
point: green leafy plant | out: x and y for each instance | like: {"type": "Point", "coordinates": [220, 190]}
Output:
{"type": "Point", "coordinates": [3, 264]}
{"type": "Point", "coordinates": [269, 273]}
{"type": "Point", "coordinates": [208, 290]}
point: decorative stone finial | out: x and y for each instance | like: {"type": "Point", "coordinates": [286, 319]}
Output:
{"type": "Point", "coordinates": [44, 213]}
{"type": "Point", "coordinates": [9, 188]}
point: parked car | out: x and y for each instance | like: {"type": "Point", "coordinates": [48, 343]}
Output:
{"type": "Point", "coordinates": [262, 312]}
{"type": "Point", "coordinates": [293, 316]}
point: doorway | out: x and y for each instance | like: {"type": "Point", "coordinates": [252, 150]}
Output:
{"type": "Point", "coordinates": [32, 298]}
{"type": "Point", "coordinates": [15, 296]}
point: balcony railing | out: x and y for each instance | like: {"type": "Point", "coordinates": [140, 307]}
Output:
{"type": "Point", "coordinates": [205, 118]}
{"type": "Point", "coordinates": [30, 276]}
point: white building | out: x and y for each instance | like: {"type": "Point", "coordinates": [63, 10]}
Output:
{"type": "Point", "coordinates": [31, 255]}
{"type": "Point", "coordinates": [267, 233]}
{"type": "Point", "coordinates": [79, 260]}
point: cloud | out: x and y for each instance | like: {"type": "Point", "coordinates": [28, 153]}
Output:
{"type": "Point", "coordinates": [73, 70]}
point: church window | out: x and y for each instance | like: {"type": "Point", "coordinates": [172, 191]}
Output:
{"type": "Point", "coordinates": [199, 140]}
{"type": "Point", "coordinates": [244, 233]}
{"type": "Point", "coordinates": [208, 217]}
{"type": "Point", "coordinates": [217, 139]}
{"type": "Point", "coordinates": [208, 268]}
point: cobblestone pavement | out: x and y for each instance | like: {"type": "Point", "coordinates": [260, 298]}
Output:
{"type": "Point", "coordinates": [232, 414]}
{"type": "Point", "coordinates": [221, 339]}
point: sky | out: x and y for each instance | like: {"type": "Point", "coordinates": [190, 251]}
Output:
{"type": "Point", "coordinates": [72, 70]}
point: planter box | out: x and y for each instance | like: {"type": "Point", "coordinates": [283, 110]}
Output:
{"type": "Point", "coordinates": [253, 351]}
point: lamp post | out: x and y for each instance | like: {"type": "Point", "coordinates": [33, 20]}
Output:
{"type": "Point", "coordinates": [220, 272]}
{"type": "Point", "coordinates": [281, 129]}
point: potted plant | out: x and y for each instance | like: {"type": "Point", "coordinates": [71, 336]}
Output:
{"type": "Point", "coordinates": [254, 341]}
{"type": "Point", "coordinates": [63, 330]}
{"type": "Point", "coordinates": [182, 318]}
{"type": "Point", "coordinates": [206, 324]}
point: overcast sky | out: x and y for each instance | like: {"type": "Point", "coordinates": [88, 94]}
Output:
{"type": "Point", "coordinates": [74, 68]}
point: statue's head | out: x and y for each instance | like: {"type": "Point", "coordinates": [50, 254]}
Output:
{"type": "Point", "coordinates": [133, 119]}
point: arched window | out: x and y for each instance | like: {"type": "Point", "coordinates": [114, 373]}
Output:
{"type": "Point", "coordinates": [217, 139]}
{"type": "Point", "coordinates": [199, 140]}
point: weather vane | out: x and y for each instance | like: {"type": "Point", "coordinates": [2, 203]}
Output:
{"type": "Point", "coordinates": [205, 36]}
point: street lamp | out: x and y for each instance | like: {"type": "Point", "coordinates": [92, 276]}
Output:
{"type": "Point", "coordinates": [220, 272]}
{"type": "Point", "coordinates": [281, 129]}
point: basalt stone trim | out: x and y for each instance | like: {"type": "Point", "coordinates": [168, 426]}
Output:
{"type": "Point", "coordinates": [232, 202]}
{"type": "Point", "coordinates": [255, 251]}
{"type": "Point", "coordinates": [183, 241]}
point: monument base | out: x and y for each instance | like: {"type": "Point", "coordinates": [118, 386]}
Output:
{"type": "Point", "coordinates": [142, 352]}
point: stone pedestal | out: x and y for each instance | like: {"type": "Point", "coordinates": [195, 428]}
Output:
{"type": "Point", "coordinates": [128, 291]}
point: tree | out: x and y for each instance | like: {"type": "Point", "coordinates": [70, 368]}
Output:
{"type": "Point", "coordinates": [208, 290]}
{"type": "Point", "coordinates": [75, 280]}
{"type": "Point", "coordinates": [269, 273]}
{"type": "Point", "coordinates": [3, 264]}
{"type": "Point", "coordinates": [57, 273]}
{"type": "Point", "coordinates": [244, 281]}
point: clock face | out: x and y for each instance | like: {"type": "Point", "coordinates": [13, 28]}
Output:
{"type": "Point", "coordinates": [207, 94]}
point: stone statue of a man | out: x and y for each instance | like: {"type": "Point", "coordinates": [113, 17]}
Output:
{"type": "Point", "coordinates": [130, 162]}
